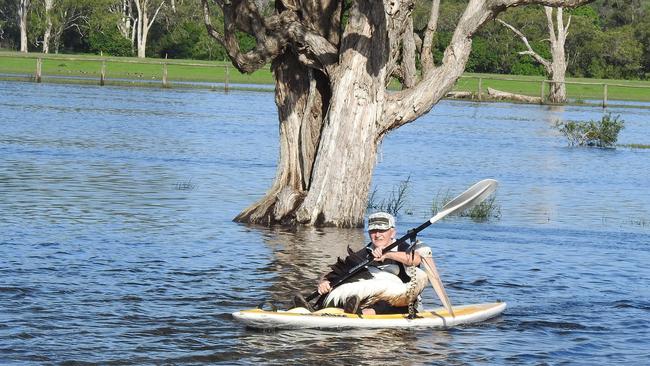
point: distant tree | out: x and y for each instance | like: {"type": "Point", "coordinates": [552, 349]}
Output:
{"type": "Point", "coordinates": [146, 13]}
{"type": "Point", "coordinates": [556, 67]}
{"type": "Point", "coordinates": [22, 13]}
{"type": "Point", "coordinates": [622, 54]}
{"type": "Point", "coordinates": [7, 14]}
{"type": "Point", "coordinates": [49, 5]}
{"type": "Point", "coordinates": [585, 46]}
{"type": "Point", "coordinates": [617, 13]}
{"type": "Point", "coordinates": [642, 35]}
{"type": "Point", "coordinates": [126, 19]}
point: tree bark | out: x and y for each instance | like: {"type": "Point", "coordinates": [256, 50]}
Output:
{"type": "Point", "coordinates": [49, 4]}
{"type": "Point", "coordinates": [557, 94]}
{"type": "Point", "coordinates": [144, 22]}
{"type": "Point", "coordinates": [23, 9]}
{"type": "Point", "coordinates": [426, 58]}
{"type": "Point", "coordinates": [498, 94]}
{"type": "Point", "coordinates": [331, 91]}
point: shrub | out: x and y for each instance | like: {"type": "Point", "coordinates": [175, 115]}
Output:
{"type": "Point", "coordinates": [603, 133]}
{"type": "Point", "coordinates": [110, 43]}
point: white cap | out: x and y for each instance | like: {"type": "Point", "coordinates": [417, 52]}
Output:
{"type": "Point", "coordinates": [380, 221]}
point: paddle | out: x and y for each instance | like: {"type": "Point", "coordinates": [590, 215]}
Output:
{"type": "Point", "coordinates": [474, 195]}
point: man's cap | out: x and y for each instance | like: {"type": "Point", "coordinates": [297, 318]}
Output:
{"type": "Point", "coordinates": [380, 221]}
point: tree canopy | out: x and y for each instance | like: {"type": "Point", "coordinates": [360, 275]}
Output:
{"type": "Point", "coordinates": [608, 38]}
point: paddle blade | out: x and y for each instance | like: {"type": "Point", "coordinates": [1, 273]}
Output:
{"type": "Point", "coordinates": [473, 196]}
{"type": "Point", "coordinates": [436, 283]}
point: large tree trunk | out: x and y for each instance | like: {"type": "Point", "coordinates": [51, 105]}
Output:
{"type": "Point", "coordinates": [346, 156]}
{"type": "Point", "coordinates": [557, 93]}
{"type": "Point", "coordinates": [331, 92]}
{"type": "Point", "coordinates": [48, 25]}
{"type": "Point", "coordinates": [23, 9]}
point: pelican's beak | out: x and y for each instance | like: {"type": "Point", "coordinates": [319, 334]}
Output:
{"type": "Point", "coordinates": [434, 278]}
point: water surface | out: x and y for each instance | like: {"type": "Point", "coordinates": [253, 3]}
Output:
{"type": "Point", "coordinates": [117, 245]}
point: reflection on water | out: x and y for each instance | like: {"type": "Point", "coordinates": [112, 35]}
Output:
{"type": "Point", "coordinates": [117, 245]}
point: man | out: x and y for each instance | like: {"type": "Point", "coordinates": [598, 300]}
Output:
{"type": "Point", "coordinates": [389, 284]}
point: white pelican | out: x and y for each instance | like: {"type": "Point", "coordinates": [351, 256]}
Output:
{"type": "Point", "coordinates": [384, 284]}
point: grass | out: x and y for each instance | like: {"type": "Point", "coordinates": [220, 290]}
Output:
{"type": "Point", "coordinates": [395, 202]}
{"type": "Point", "coordinates": [484, 211]}
{"type": "Point", "coordinates": [635, 146]}
{"type": "Point", "coordinates": [151, 69]}
{"type": "Point", "coordinates": [129, 68]}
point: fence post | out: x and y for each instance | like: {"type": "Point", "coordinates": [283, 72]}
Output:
{"type": "Point", "coordinates": [165, 82]}
{"type": "Point", "coordinates": [480, 88]}
{"type": "Point", "coordinates": [102, 75]}
{"type": "Point", "coordinates": [604, 95]}
{"type": "Point", "coordinates": [39, 69]}
{"type": "Point", "coordinates": [541, 93]}
{"type": "Point", "coordinates": [225, 88]}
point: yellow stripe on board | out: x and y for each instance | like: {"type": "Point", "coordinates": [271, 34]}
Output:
{"type": "Point", "coordinates": [460, 310]}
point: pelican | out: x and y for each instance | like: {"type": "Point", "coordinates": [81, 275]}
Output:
{"type": "Point", "coordinates": [376, 285]}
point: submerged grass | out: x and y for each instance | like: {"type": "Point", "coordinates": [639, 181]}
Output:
{"type": "Point", "coordinates": [185, 185]}
{"type": "Point", "coordinates": [395, 202]}
{"type": "Point", "coordinates": [484, 211]}
{"type": "Point", "coordinates": [635, 146]}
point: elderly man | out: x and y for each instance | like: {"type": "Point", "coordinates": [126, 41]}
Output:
{"type": "Point", "coordinates": [389, 284]}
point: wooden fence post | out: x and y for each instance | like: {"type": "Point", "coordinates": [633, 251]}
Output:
{"type": "Point", "coordinates": [102, 75]}
{"type": "Point", "coordinates": [39, 70]}
{"type": "Point", "coordinates": [165, 82]}
{"type": "Point", "coordinates": [225, 88]}
{"type": "Point", "coordinates": [480, 88]}
{"type": "Point", "coordinates": [604, 95]}
{"type": "Point", "coordinates": [541, 93]}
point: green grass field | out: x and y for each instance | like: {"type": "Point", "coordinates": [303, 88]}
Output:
{"type": "Point", "coordinates": [120, 69]}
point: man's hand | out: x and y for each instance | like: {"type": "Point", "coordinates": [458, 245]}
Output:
{"type": "Point", "coordinates": [324, 287]}
{"type": "Point", "coordinates": [378, 255]}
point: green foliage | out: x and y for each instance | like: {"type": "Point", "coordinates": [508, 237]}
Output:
{"type": "Point", "coordinates": [607, 38]}
{"type": "Point", "coordinates": [109, 42]}
{"type": "Point", "coordinates": [188, 40]}
{"type": "Point", "coordinates": [482, 58]}
{"type": "Point", "coordinates": [603, 133]}
{"type": "Point", "coordinates": [526, 67]}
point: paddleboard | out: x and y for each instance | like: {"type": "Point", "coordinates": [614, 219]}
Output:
{"type": "Point", "coordinates": [301, 318]}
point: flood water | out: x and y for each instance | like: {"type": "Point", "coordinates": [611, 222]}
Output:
{"type": "Point", "coordinates": [117, 245]}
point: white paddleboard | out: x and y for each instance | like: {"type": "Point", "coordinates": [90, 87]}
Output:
{"type": "Point", "coordinates": [301, 318]}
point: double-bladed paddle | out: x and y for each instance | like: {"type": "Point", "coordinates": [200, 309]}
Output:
{"type": "Point", "coordinates": [474, 195]}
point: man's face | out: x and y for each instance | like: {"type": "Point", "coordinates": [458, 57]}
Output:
{"type": "Point", "coordinates": [382, 238]}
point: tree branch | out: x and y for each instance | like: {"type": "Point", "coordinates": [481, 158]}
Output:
{"type": "Point", "coordinates": [407, 105]}
{"type": "Point", "coordinates": [153, 18]}
{"type": "Point", "coordinates": [408, 56]}
{"type": "Point", "coordinates": [551, 27]}
{"type": "Point", "coordinates": [531, 52]}
{"type": "Point", "coordinates": [272, 34]}
{"type": "Point", "coordinates": [426, 59]}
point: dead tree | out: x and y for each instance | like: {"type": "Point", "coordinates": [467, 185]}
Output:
{"type": "Point", "coordinates": [556, 68]}
{"type": "Point", "coordinates": [332, 65]}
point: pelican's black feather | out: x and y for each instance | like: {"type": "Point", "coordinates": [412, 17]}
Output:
{"type": "Point", "coordinates": [343, 266]}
